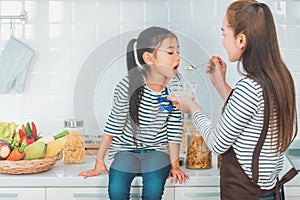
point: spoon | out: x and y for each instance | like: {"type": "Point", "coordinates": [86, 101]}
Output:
{"type": "Point", "coordinates": [191, 67]}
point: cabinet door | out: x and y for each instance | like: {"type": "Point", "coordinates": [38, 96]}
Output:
{"type": "Point", "coordinates": [292, 193]}
{"type": "Point", "coordinates": [96, 193]}
{"type": "Point", "coordinates": [77, 193]}
{"type": "Point", "coordinates": [22, 193]}
{"type": "Point", "coordinates": [136, 193]}
{"type": "Point", "coordinates": [197, 193]}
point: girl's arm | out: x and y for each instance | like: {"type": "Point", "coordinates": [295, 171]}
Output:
{"type": "Point", "coordinates": [175, 171]}
{"type": "Point", "coordinates": [103, 147]}
{"type": "Point", "coordinates": [99, 164]}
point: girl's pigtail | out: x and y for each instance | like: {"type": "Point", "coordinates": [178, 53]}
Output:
{"type": "Point", "coordinates": [136, 84]}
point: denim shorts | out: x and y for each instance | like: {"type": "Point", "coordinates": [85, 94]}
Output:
{"type": "Point", "coordinates": [153, 167]}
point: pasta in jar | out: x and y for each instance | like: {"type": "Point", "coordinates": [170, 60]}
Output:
{"type": "Point", "coordinates": [74, 149]}
{"type": "Point", "coordinates": [198, 154]}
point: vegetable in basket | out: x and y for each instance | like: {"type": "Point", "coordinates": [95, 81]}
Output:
{"type": "Point", "coordinates": [4, 149]}
{"type": "Point", "coordinates": [7, 130]}
{"type": "Point", "coordinates": [17, 153]}
{"type": "Point", "coordinates": [49, 138]}
{"type": "Point", "coordinates": [54, 147]}
{"type": "Point", "coordinates": [28, 133]}
{"type": "Point", "coordinates": [35, 150]}
{"type": "Point", "coordinates": [34, 130]}
{"type": "Point", "coordinates": [28, 139]}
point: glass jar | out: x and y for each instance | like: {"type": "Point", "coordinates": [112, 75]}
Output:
{"type": "Point", "coordinates": [198, 154]}
{"type": "Point", "coordinates": [74, 148]}
{"type": "Point", "coordinates": [187, 122]}
{"type": "Point", "coordinates": [219, 162]}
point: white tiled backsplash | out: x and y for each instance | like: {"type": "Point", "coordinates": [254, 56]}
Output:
{"type": "Point", "coordinates": [64, 33]}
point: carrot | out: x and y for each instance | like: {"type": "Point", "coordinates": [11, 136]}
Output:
{"type": "Point", "coordinates": [23, 128]}
{"type": "Point", "coordinates": [17, 153]}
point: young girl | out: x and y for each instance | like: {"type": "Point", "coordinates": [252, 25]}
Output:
{"type": "Point", "coordinates": [143, 130]}
{"type": "Point", "coordinates": [259, 119]}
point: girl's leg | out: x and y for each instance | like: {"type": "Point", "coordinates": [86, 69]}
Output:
{"type": "Point", "coordinates": [155, 171]}
{"type": "Point", "coordinates": [121, 173]}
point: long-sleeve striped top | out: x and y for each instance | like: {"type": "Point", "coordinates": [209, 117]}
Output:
{"type": "Point", "coordinates": [240, 126]}
{"type": "Point", "coordinates": [157, 128]}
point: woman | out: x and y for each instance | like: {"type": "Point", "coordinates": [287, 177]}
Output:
{"type": "Point", "coordinates": [258, 122]}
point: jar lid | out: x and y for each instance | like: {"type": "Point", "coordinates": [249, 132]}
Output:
{"type": "Point", "coordinates": [73, 123]}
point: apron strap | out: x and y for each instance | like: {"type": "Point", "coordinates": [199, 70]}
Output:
{"type": "Point", "coordinates": [280, 184]}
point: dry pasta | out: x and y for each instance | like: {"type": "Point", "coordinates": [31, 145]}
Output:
{"type": "Point", "coordinates": [198, 154]}
{"type": "Point", "coordinates": [74, 148]}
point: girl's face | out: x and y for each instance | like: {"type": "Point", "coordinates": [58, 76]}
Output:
{"type": "Point", "coordinates": [165, 60]}
{"type": "Point", "coordinates": [231, 43]}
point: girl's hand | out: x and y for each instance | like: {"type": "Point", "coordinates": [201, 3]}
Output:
{"type": "Point", "coordinates": [98, 169]}
{"type": "Point", "coordinates": [184, 103]}
{"type": "Point", "coordinates": [178, 175]}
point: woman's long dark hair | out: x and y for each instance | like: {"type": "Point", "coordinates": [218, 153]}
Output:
{"type": "Point", "coordinates": [263, 63]}
{"type": "Point", "coordinates": [148, 41]}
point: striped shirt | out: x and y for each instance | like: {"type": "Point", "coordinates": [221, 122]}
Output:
{"type": "Point", "coordinates": [157, 128]}
{"type": "Point", "coordinates": [240, 126]}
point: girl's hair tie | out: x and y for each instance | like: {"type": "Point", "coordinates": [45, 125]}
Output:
{"type": "Point", "coordinates": [140, 67]}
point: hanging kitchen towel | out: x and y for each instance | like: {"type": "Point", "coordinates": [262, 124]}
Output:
{"type": "Point", "coordinates": [14, 64]}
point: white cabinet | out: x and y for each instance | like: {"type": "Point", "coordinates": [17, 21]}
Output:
{"type": "Point", "coordinates": [77, 193]}
{"type": "Point", "coordinates": [136, 193]}
{"type": "Point", "coordinates": [96, 193]}
{"type": "Point", "coordinates": [197, 193]}
{"type": "Point", "coordinates": [22, 193]}
{"type": "Point", "coordinates": [213, 193]}
{"type": "Point", "coordinates": [292, 193]}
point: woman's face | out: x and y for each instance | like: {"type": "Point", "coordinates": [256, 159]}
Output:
{"type": "Point", "coordinates": [166, 59]}
{"type": "Point", "coordinates": [230, 42]}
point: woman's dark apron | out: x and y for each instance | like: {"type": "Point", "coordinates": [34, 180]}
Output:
{"type": "Point", "coordinates": [236, 185]}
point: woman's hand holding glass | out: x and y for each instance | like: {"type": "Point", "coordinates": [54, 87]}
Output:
{"type": "Point", "coordinates": [184, 103]}
{"type": "Point", "coordinates": [182, 96]}
{"type": "Point", "coordinates": [182, 88]}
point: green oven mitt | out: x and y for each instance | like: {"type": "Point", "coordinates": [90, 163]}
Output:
{"type": "Point", "coordinates": [14, 64]}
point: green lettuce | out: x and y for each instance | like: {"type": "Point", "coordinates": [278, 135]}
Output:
{"type": "Point", "coordinates": [7, 130]}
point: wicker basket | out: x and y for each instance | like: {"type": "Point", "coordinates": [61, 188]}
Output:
{"type": "Point", "coordinates": [29, 166]}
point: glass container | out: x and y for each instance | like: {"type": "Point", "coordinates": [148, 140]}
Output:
{"type": "Point", "coordinates": [187, 122]}
{"type": "Point", "coordinates": [74, 149]}
{"type": "Point", "coordinates": [219, 161]}
{"type": "Point", "coordinates": [198, 154]}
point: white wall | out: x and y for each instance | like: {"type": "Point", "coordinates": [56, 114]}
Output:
{"type": "Point", "coordinates": [64, 33]}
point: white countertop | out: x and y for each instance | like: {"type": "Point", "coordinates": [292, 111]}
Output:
{"type": "Point", "coordinates": [66, 175]}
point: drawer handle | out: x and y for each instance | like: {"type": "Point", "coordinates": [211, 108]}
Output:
{"type": "Point", "coordinates": [292, 195]}
{"type": "Point", "coordinates": [82, 195]}
{"type": "Point", "coordinates": [135, 195]}
{"type": "Point", "coordinates": [77, 195]}
{"type": "Point", "coordinates": [8, 195]}
{"type": "Point", "coordinates": [206, 194]}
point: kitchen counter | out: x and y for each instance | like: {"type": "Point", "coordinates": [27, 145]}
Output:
{"type": "Point", "coordinates": [66, 175]}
